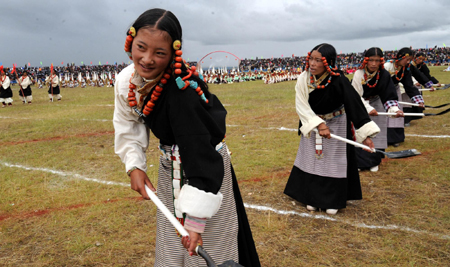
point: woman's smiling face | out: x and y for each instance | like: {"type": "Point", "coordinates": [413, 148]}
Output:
{"type": "Point", "coordinates": [151, 52]}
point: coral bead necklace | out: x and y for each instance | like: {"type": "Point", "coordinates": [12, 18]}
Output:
{"type": "Point", "coordinates": [132, 101]}
{"type": "Point", "coordinates": [368, 76]}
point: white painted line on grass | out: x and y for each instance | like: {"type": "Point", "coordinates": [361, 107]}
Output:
{"type": "Point", "coordinates": [329, 218]}
{"type": "Point", "coordinates": [249, 206]}
{"type": "Point", "coordinates": [429, 136]}
{"type": "Point", "coordinates": [281, 129]}
{"type": "Point", "coordinates": [64, 174]}
{"type": "Point", "coordinates": [2, 117]}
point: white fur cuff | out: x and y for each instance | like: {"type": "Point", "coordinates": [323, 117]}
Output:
{"type": "Point", "coordinates": [198, 203]}
{"type": "Point", "coordinates": [369, 129]}
{"type": "Point", "coordinates": [393, 109]}
{"type": "Point", "coordinates": [308, 127]}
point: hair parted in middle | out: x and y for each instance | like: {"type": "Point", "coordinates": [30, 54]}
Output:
{"type": "Point", "coordinates": [373, 51]}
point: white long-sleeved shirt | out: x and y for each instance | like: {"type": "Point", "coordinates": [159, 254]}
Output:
{"type": "Point", "coordinates": [54, 80]}
{"type": "Point", "coordinates": [5, 82]}
{"type": "Point", "coordinates": [131, 135]}
{"type": "Point", "coordinates": [25, 82]}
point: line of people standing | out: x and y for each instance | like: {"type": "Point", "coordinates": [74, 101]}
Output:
{"type": "Point", "coordinates": [25, 92]}
{"type": "Point", "coordinates": [326, 171]}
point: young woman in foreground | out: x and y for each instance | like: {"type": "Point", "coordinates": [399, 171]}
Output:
{"type": "Point", "coordinates": [196, 180]}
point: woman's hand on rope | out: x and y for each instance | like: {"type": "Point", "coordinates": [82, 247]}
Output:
{"type": "Point", "coordinates": [191, 242]}
{"type": "Point", "coordinates": [324, 131]}
{"type": "Point", "coordinates": [368, 142]}
{"type": "Point", "coordinates": [138, 180]}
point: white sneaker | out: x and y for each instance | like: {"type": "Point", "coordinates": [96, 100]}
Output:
{"type": "Point", "coordinates": [311, 208]}
{"type": "Point", "coordinates": [374, 169]}
{"type": "Point", "coordinates": [332, 211]}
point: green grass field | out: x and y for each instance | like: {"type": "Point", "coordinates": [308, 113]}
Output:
{"type": "Point", "coordinates": [65, 198]}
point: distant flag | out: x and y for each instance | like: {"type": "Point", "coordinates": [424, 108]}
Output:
{"type": "Point", "coordinates": [62, 63]}
{"type": "Point", "coordinates": [99, 63]}
{"type": "Point", "coordinates": [29, 64]}
{"type": "Point", "coordinates": [444, 44]}
{"type": "Point", "coordinates": [41, 62]}
{"type": "Point", "coordinates": [91, 62]}
{"type": "Point", "coordinates": [281, 55]}
{"type": "Point", "coordinates": [81, 62]}
{"type": "Point", "coordinates": [106, 62]}
{"type": "Point", "coordinates": [188, 59]}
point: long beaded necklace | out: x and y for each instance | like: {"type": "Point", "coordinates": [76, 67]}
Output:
{"type": "Point", "coordinates": [396, 73]}
{"type": "Point", "coordinates": [315, 84]}
{"type": "Point", "coordinates": [368, 76]}
{"type": "Point", "coordinates": [153, 98]}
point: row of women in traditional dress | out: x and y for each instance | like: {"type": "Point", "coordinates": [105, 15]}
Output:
{"type": "Point", "coordinates": [25, 92]}
{"type": "Point", "coordinates": [325, 173]}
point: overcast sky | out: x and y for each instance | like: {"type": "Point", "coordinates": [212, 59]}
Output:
{"type": "Point", "coordinates": [55, 31]}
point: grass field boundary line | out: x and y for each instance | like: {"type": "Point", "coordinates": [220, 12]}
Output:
{"type": "Point", "coordinates": [14, 118]}
{"type": "Point", "coordinates": [250, 206]}
{"type": "Point", "coordinates": [359, 225]}
{"type": "Point", "coordinates": [64, 174]}
{"type": "Point", "coordinates": [429, 136]}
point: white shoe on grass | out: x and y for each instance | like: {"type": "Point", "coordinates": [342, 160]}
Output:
{"type": "Point", "coordinates": [311, 208]}
{"type": "Point", "coordinates": [374, 169]}
{"type": "Point", "coordinates": [332, 211]}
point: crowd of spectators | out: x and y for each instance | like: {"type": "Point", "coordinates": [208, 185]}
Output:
{"type": "Point", "coordinates": [347, 62]}
{"type": "Point", "coordinates": [435, 56]}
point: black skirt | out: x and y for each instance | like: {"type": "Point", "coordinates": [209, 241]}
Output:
{"type": "Point", "coordinates": [395, 135]}
{"type": "Point", "coordinates": [55, 90]}
{"type": "Point", "coordinates": [323, 192]}
{"type": "Point", "coordinates": [26, 91]}
{"type": "Point", "coordinates": [368, 160]}
{"type": "Point", "coordinates": [5, 93]}
{"type": "Point", "coordinates": [412, 110]}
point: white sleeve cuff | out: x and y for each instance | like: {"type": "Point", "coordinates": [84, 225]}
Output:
{"type": "Point", "coordinates": [393, 109]}
{"type": "Point", "coordinates": [312, 123]}
{"type": "Point", "coordinates": [369, 129]}
{"type": "Point", "coordinates": [198, 203]}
